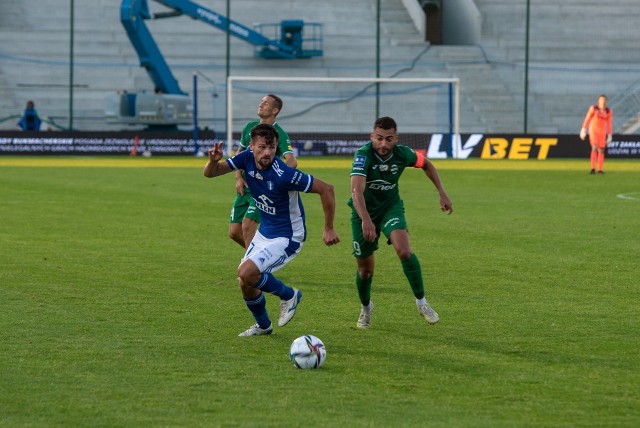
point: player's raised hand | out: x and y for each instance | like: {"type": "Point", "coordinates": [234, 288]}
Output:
{"type": "Point", "coordinates": [214, 167]}
{"type": "Point", "coordinates": [215, 153]}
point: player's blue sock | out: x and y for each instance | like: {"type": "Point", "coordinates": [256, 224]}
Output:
{"type": "Point", "coordinates": [258, 307]}
{"type": "Point", "coordinates": [271, 284]}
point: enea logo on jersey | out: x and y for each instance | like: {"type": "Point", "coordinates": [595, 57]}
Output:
{"type": "Point", "coordinates": [381, 185]}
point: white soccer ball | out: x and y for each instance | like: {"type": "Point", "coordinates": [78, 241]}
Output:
{"type": "Point", "coordinates": [307, 352]}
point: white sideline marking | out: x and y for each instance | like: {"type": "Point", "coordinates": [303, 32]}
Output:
{"type": "Point", "coordinates": [634, 196]}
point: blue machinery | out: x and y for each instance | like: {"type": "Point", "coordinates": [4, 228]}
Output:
{"type": "Point", "coordinates": [171, 106]}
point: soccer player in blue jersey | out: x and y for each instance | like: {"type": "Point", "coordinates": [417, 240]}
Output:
{"type": "Point", "coordinates": [245, 217]}
{"type": "Point", "coordinates": [376, 207]}
{"type": "Point", "coordinates": [275, 188]}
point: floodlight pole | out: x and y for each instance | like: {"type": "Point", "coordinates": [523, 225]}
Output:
{"type": "Point", "coordinates": [71, 35]}
{"type": "Point", "coordinates": [226, 79]}
{"type": "Point", "coordinates": [378, 15]}
{"type": "Point", "coordinates": [196, 147]}
{"type": "Point", "coordinates": [526, 67]}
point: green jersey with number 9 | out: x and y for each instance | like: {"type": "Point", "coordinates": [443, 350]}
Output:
{"type": "Point", "coordinates": [382, 175]}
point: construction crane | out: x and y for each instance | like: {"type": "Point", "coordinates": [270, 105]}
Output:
{"type": "Point", "coordinates": [169, 105]}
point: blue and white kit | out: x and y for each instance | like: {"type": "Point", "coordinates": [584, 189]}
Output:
{"type": "Point", "coordinates": [276, 192]}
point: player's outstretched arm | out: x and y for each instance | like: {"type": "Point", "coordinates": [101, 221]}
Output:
{"type": "Point", "coordinates": [328, 199]}
{"type": "Point", "coordinates": [213, 167]}
{"type": "Point", "coordinates": [431, 172]}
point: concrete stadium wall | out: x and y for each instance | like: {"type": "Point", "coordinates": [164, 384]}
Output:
{"type": "Point", "coordinates": [577, 51]}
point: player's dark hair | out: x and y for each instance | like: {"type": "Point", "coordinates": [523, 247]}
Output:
{"type": "Point", "coordinates": [277, 102]}
{"type": "Point", "coordinates": [266, 131]}
{"type": "Point", "coordinates": [385, 123]}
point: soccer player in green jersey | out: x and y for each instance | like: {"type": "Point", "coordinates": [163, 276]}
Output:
{"type": "Point", "coordinates": [377, 207]}
{"type": "Point", "coordinates": [245, 218]}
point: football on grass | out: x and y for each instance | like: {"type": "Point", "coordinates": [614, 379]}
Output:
{"type": "Point", "coordinates": [307, 352]}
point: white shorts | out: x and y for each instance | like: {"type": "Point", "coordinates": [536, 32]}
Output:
{"type": "Point", "coordinates": [269, 255]}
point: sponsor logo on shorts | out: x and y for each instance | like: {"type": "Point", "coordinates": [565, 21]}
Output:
{"type": "Point", "coordinates": [392, 222]}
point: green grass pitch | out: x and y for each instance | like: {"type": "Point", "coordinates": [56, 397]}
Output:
{"type": "Point", "coordinates": [119, 304]}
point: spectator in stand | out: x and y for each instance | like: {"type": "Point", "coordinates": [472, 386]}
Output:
{"type": "Point", "coordinates": [30, 121]}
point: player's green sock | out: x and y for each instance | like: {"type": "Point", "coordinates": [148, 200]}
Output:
{"type": "Point", "coordinates": [364, 288]}
{"type": "Point", "coordinates": [413, 272]}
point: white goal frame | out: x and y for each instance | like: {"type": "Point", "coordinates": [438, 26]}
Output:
{"type": "Point", "coordinates": [454, 81]}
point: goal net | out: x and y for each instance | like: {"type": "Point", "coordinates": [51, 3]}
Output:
{"type": "Point", "coordinates": [326, 115]}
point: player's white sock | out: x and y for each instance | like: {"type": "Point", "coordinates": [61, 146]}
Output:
{"type": "Point", "coordinates": [420, 302]}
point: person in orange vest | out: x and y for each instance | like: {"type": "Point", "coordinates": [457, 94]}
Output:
{"type": "Point", "coordinates": [598, 122]}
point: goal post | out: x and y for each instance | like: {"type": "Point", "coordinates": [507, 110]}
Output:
{"type": "Point", "coordinates": [348, 104]}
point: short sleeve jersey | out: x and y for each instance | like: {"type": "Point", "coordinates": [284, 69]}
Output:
{"type": "Point", "coordinates": [284, 144]}
{"type": "Point", "coordinates": [381, 190]}
{"type": "Point", "coordinates": [276, 194]}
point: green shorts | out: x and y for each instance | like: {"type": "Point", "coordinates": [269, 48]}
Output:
{"type": "Point", "coordinates": [244, 206]}
{"type": "Point", "coordinates": [391, 220]}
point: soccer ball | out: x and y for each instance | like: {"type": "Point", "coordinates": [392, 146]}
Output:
{"type": "Point", "coordinates": [307, 352]}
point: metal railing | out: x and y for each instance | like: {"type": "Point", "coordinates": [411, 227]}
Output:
{"type": "Point", "coordinates": [626, 108]}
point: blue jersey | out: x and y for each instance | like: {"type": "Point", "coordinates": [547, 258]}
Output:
{"type": "Point", "coordinates": [276, 193]}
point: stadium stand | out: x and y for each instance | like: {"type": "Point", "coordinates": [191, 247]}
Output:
{"type": "Point", "coordinates": [576, 53]}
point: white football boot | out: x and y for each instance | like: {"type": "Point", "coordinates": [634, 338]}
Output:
{"type": "Point", "coordinates": [255, 330]}
{"type": "Point", "coordinates": [428, 313]}
{"type": "Point", "coordinates": [288, 308]}
{"type": "Point", "coordinates": [364, 320]}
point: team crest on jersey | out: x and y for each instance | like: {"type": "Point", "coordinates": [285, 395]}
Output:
{"type": "Point", "coordinates": [384, 168]}
{"type": "Point", "coordinates": [358, 162]}
{"type": "Point", "coordinates": [258, 176]}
